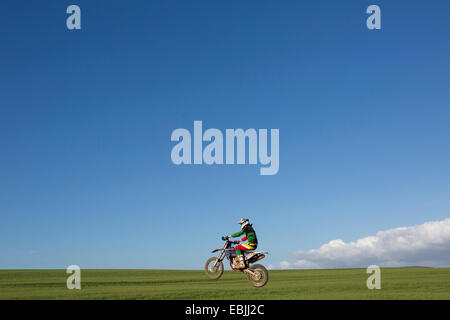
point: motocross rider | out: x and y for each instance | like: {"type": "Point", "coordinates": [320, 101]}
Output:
{"type": "Point", "coordinates": [252, 243]}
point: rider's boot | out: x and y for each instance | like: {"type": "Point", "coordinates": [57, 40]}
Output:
{"type": "Point", "coordinates": [234, 263]}
{"type": "Point", "coordinates": [240, 261]}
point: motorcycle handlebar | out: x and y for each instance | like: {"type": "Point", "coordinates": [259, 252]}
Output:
{"type": "Point", "coordinates": [225, 238]}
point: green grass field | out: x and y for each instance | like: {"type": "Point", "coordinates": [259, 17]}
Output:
{"type": "Point", "coordinates": [396, 283]}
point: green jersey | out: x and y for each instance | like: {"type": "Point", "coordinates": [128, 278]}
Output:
{"type": "Point", "coordinates": [250, 235]}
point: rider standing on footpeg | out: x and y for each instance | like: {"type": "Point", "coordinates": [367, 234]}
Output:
{"type": "Point", "coordinates": [252, 243]}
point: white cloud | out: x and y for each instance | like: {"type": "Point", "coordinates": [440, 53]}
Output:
{"type": "Point", "coordinates": [427, 244]}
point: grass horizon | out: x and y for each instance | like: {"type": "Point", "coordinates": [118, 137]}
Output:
{"type": "Point", "coordinates": [135, 284]}
{"type": "Point", "coordinates": [168, 269]}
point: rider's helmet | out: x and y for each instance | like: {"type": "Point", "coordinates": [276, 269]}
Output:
{"type": "Point", "coordinates": [243, 222]}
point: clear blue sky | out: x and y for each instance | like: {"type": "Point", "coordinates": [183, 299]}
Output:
{"type": "Point", "coordinates": [86, 118]}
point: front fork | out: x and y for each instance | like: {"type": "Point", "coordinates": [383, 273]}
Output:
{"type": "Point", "coordinates": [221, 256]}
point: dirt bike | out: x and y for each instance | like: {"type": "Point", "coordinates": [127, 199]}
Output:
{"type": "Point", "coordinates": [257, 274]}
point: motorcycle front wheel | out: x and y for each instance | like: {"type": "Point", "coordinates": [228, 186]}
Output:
{"type": "Point", "coordinates": [210, 271]}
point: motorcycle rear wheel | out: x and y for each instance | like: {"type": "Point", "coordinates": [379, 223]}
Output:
{"type": "Point", "coordinates": [262, 273]}
{"type": "Point", "coordinates": [213, 274]}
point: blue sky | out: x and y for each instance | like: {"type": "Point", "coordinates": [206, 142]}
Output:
{"type": "Point", "coordinates": [86, 116]}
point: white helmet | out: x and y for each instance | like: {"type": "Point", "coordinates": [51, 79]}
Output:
{"type": "Point", "coordinates": [243, 222]}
